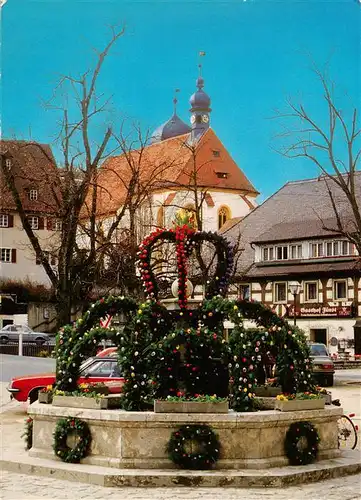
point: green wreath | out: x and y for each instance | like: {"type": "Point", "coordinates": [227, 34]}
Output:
{"type": "Point", "coordinates": [64, 427]}
{"type": "Point", "coordinates": [28, 433]}
{"type": "Point", "coordinates": [205, 439]}
{"type": "Point", "coordinates": [305, 455]}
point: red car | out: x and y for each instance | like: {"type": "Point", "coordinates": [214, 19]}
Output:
{"type": "Point", "coordinates": [101, 368]}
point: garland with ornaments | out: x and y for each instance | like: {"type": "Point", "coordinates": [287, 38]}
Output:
{"type": "Point", "coordinates": [296, 452]}
{"type": "Point", "coordinates": [75, 343]}
{"type": "Point", "coordinates": [186, 239]}
{"type": "Point", "coordinates": [71, 426]}
{"type": "Point", "coordinates": [163, 352]}
{"type": "Point", "coordinates": [202, 438]}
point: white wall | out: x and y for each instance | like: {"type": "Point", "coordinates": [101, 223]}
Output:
{"type": "Point", "coordinates": [25, 267]}
{"type": "Point", "coordinates": [237, 206]}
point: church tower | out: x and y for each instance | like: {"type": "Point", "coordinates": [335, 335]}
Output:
{"type": "Point", "coordinates": [200, 110]}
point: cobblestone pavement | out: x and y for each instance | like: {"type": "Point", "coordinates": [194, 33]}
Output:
{"type": "Point", "coordinates": [20, 487]}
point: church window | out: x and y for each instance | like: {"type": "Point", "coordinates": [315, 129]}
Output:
{"type": "Point", "coordinates": [160, 217]}
{"type": "Point", "coordinates": [224, 214]}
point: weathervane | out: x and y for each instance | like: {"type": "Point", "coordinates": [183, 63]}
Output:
{"type": "Point", "coordinates": [201, 54]}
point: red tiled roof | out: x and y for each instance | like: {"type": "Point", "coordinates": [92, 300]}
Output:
{"type": "Point", "coordinates": [169, 164]}
{"type": "Point", "coordinates": [33, 167]}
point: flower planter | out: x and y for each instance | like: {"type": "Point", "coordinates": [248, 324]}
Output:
{"type": "Point", "coordinates": [81, 402]}
{"type": "Point", "coordinates": [45, 397]}
{"type": "Point", "coordinates": [267, 391]}
{"type": "Point", "coordinates": [190, 407]}
{"type": "Point", "coordinates": [328, 398]}
{"type": "Point", "coordinates": [101, 390]}
{"type": "Point", "coordinates": [300, 404]}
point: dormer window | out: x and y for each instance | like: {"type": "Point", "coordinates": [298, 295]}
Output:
{"type": "Point", "coordinates": [33, 194]}
{"type": "Point", "coordinates": [222, 175]}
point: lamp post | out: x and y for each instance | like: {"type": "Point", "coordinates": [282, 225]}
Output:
{"type": "Point", "coordinates": [294, 288]}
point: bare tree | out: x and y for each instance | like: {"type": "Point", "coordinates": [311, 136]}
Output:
{"type": "Point", "coordinates": [87, 238]}
{"type": "Point", "coordinates": [335, 149]}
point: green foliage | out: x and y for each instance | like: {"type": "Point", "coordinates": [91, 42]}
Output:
{"type": "Point", "coordinates": [27, 291]}
{"type": "Point", "coordinates": [207, 447]}
{"type": "Point", "coordinates": [28, 433]}
{"type": "Point", "coordinates": [75, 343]}
{"type": "Point", "coordinates": [301, 455]}
{"type": "Point", "coordinates": [63, 429]}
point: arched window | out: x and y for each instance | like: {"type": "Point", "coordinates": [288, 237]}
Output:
{"type": "Point", "coordinates": [160, 217]}
{"type": "Point", "coordinates": [224, 214]}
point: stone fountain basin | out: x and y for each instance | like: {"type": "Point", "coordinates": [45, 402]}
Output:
{"type": "Point", "coordinates": [138, 439]}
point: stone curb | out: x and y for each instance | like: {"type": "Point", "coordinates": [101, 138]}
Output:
{"type": "Point", "coordinates": [349, 464]}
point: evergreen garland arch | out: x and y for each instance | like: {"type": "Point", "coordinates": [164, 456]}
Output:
{"type": "Point", "coordinates": [75, 343]}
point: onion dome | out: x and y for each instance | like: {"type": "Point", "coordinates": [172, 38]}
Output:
{"type": "Point", "coordinates": [171, 128]}
{"type": "Point", "coordinates": [200, 100]}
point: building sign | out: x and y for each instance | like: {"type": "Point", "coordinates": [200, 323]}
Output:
{"type": "Point", "coordinates": [321, 310]}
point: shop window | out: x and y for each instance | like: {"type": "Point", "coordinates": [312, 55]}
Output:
{"type": "Point", "coordinates": [280, 292]}
{"type": "Point", "coordinates": [340, 290]}
{"type": "Point", "coordinates": [311, 291]}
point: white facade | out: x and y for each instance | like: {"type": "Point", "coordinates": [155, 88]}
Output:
{"type": "Point", "coordinates": [236, 205]}
{"type": "Point", "coordinates": [18, 260]}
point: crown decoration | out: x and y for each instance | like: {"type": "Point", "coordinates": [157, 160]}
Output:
{"type": "Point", "coordinates": [186, 239]}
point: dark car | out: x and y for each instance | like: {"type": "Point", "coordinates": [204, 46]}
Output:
{"type": "Point", "coordinates": [323, 367]}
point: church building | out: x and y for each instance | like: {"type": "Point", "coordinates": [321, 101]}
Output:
{"type": "Point", "coordinates": [181, 167]}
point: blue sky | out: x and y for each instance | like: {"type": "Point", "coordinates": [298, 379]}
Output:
{"type": "Point", "coordinates": [256, 56]}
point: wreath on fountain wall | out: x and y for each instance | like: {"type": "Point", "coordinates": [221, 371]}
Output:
{"type": "Point", "coordinates": [71, 426]}
{"type": "Point", "coordinates": [202, 438]}
{"type": "Point", "coordinates": [146, 345]}
{"type": "Point", "coordinates": [297, 454]}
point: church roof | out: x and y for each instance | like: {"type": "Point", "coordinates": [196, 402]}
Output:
{"type": "Point", "coordinates": [168, 165]}
{"type": "Point", "coordinates": [171, 128]}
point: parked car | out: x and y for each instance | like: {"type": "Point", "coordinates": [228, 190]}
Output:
{"type": "Point", "coordinates": [11, 333]}
{"type": "Point", "coordinates": [323, 367]}
{"type": "Point", "coordinates": [101, 368]}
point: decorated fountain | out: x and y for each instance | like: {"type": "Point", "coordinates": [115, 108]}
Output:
{"type": "Point", "coordinates": [188, 399]}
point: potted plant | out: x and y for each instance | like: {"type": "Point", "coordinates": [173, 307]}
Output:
{"type": "Point", "coordinates": [46, 394]}
{"type": "Point", "coordinates": [198, 403]}
{"type": "Point", "coordinates": [84, 397]}
{"type": "Point", "coordinates": [299, 401]}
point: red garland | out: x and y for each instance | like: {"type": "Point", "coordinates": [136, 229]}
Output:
{"type": "Point", "coordinates": [181, 235]}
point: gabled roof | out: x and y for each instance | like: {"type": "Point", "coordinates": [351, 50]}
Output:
{"type": "Point", "coordinates": [313, 228]}
{"type": "Point", "coordinates": [170, 164]}
{"type": "Point", "coordinates": [293, 204]}
{"type": "Point", "coordinates": [34, 167]}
